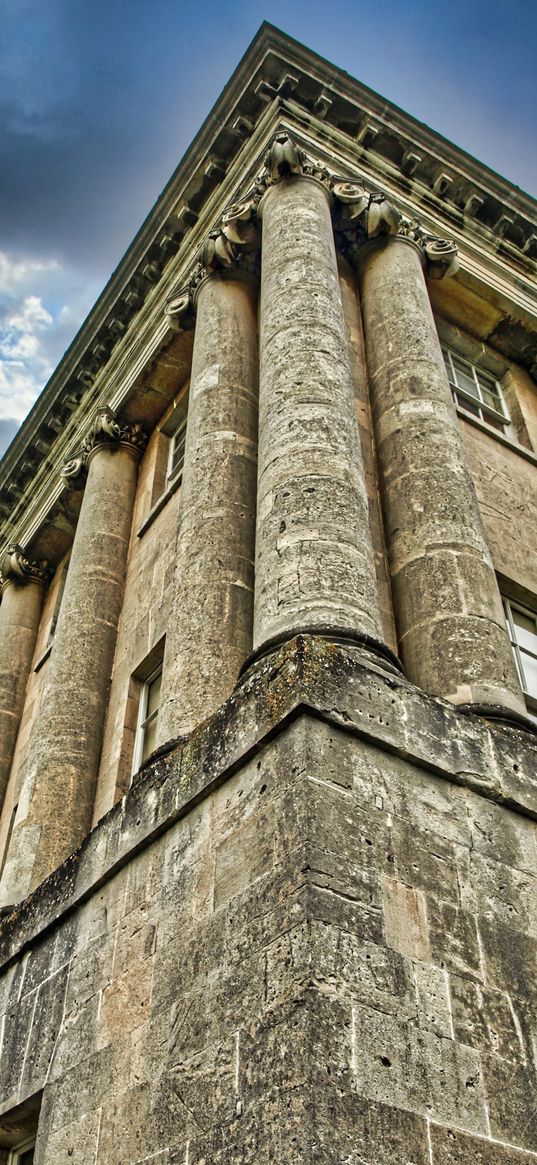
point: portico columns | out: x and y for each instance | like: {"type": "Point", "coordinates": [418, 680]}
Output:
{"type": "Point", "coordinates": [56, 801]}
{"type": "Point", "coordinates": [314, 558]}
{"type": "Point", "coordinates": [23, 583]}
{"type": "Point", "coordinates": [448, 609]}
{"type": "Point", "coordinates": [210, 631]}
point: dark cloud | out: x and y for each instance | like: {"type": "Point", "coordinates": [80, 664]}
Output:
{"type": "Point", "coordinates": [98, 102]}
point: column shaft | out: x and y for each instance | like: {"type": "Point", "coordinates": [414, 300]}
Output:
{"type": "Point", "coordinates": [314, 558]}
{"type": "Point", "coordinates": [20, 613]}
{"type": "Point", "coordinates": [210, 634]}
{"type": "Point", "coordinates": [448, 610]}
{"type": "Point", "coordinates": [352, 313]}
{"type": "Point", "coordinates": [58, 785]}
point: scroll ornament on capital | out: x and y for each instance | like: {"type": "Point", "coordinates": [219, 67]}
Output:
{"type": "Point", "coordinates": [362, 215]}
{"type": "Point", "coordinates": [106, 430]}
{"type": "Point", "coordinates": [359, 215]}
{"type": "Point", "coordinates": [16, 567]}
{"type": "Point", "coordinates": [232, 244]}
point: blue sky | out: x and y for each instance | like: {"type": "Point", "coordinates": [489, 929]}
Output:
{"type": "Point", "coordinates": [99, 101]}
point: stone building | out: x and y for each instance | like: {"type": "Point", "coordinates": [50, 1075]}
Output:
{"type": "Point", "coordinates": [268, 687]}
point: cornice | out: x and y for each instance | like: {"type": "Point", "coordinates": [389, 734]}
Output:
{"type": "Point", "coordinates": [278, 82]}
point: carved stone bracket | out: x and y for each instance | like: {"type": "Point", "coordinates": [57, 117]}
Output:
{"type": "Point", "coordinates": [16, 567]}
{"type": "Point", "coordinates": [105, 430]}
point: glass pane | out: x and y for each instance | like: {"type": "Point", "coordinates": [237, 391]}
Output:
{"type": "Point", "coordinates": [150, 737]}
{"type": "Point", "coordinates": [465, 379]}
{"type": "Point", "coordinates": [448, 366]}
{"type": "Point", "coordinates": [177, 451]}
{"type": "Point", "coordinates": [494, 424]}
{"type": "Point", "coordinates": [529, 666]}
{"type": "Point", "coordinates": [153, 693]}
{"type": "Point", "coordinates": [466, 404]}
{"type": "Point", "coordinates": [491, 397]}
{"type": "Point", "coordinates": [526, 630]}
{"type": "Point", "coordinates": [26, 1158]}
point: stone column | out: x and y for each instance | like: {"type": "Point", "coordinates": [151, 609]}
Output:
{"type": "Point", "coordinates": [451, 626]}
{"type": "Point", "coordinates": [210, 634]}
{"type": "Point", "coordinates": [314, 557]}
{"type": "Point", "coordinates": [23, 584]}
{"type": "Point", "coordinates": [59, 778]}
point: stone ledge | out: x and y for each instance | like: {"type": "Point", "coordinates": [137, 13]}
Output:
{"type": "Point", "coordinates": [307, 676]}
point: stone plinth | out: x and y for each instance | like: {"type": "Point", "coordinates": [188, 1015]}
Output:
{"type": "Point", "coordinates": [301, 935]}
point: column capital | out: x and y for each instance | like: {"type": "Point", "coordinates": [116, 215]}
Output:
{"type": "Point", "coordinates": [232, 247]}
{"type": "Point", "coordinates": [106, 431]}
{"type": "Point", "coordinates": [16, 567]}
{"type": "Point", "coordinates": [361, 215]}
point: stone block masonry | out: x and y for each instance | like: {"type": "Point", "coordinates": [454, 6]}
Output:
{"type": "Point", "coordinates": [308, 933]}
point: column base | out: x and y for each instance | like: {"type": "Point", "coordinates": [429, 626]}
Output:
{"type": "Point", "coordinates": [342, 636]}
{"type": "Point", "coordinates": [499, 714]}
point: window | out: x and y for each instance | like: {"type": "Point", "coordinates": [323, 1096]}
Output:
{"type": "Point", "coordinates": [18, 1131]}
{"type": "Point", "coordinates": [477, 392]}
{"type": "Point", "coordinates": [522, 627]}
{"type": "Point", "coordinates": [146, 730]}
{"type": "Point", "coordinates": [176, 453]}
{"type": "Point", "coordinates": [58, 601]}
{"type": "Point", "coordinates": [23, 1155]}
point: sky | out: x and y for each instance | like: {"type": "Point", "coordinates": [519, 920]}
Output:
{"type": "Point", "coordinates": [98, 102]}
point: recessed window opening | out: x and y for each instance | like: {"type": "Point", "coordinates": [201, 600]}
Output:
{"type": "Point", "coordinates": [176, 453]}
{"type": "Point", "coordinates": [146, 732]}
{"type": "Point", "coordinates": [522, 627]}
{"type": "Point", "coordinates": [18, 1132]}
{"type": "Point", "coordinates": [58, 601]}
{"type": "Point", "coordinates": [23, 1154]}
{"type": "Point", "coordinates": [476, 392]}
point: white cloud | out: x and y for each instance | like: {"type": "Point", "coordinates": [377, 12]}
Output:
{"type": "Point", "coordinates": [29, 316]}
{"type": "Point", "coordinates": [16, 273]}
{"type": "Point", "coordinates": [42, 304]}
{"type": "Point", "coordinates": [19, 387]}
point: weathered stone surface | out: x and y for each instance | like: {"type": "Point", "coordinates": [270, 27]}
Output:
{"type": "Point", "coordinates": [261, 965]}
{"type": "Point", "coordinates": [314, 556]}
{"type": "Point", "coordinates": [54, 812]}
{"type": "Point", "coordinates": [209, 635]}
{"type": "Point", "coordinates": [20, 612]}
{"type": "Point", "coordinates": [453, 1147]}
{"type": "Point", "coordinates": [448, 609]}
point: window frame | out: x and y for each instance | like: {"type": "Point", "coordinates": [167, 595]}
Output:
{"type": "Point", "coordinates": [480, 409]}
{"type": "Point", "coordinates": [174, 472]}
{"type": "Point", "coordinates": [16, 1153]}
{"type": "Point", "coordinates": [510, 605]}
{"type": "Point", "coordinates": [144, 719]}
